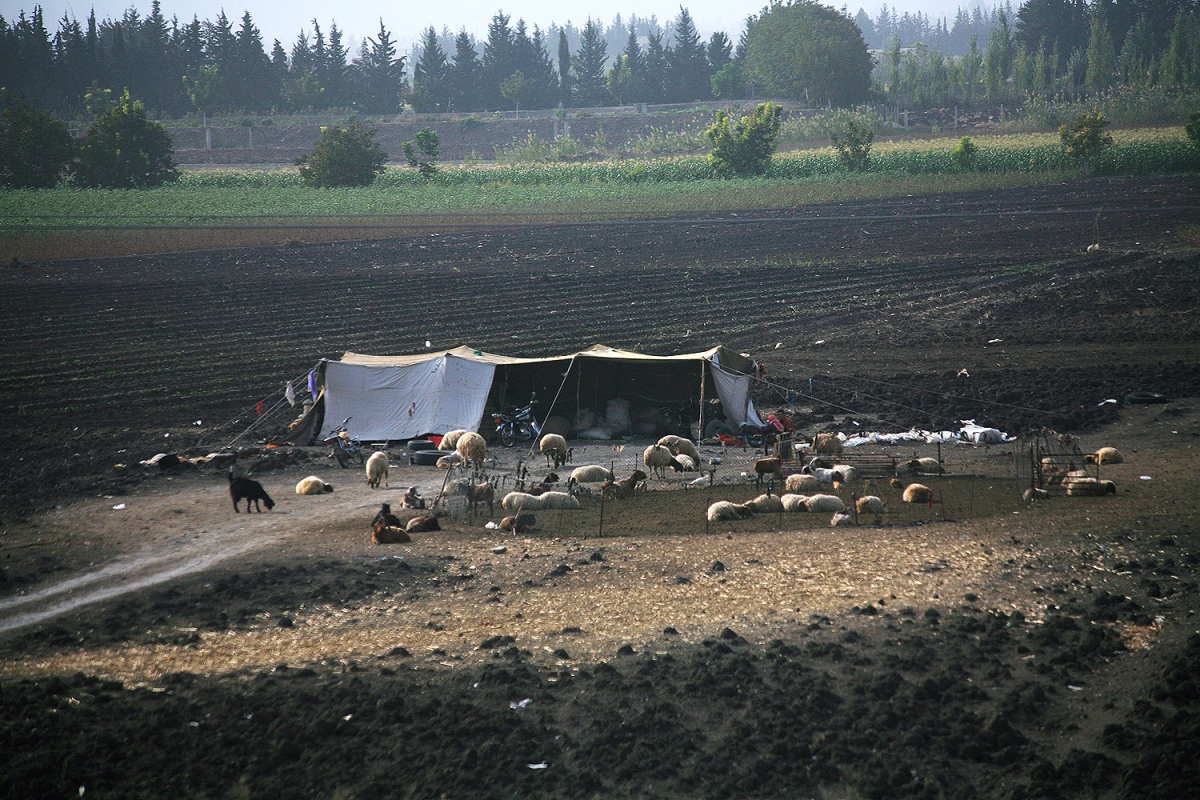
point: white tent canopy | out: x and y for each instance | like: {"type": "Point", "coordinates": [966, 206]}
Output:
{"type": "Point", "coordinates": [402, 397]}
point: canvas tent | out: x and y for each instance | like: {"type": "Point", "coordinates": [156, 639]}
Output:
{"type": "Point", "coordinates": [402, 397]}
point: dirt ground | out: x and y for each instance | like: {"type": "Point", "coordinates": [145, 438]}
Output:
{"type": "Point", "coordinates": [155, 644]}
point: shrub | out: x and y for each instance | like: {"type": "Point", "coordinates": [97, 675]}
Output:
{"type": "Point", "coordinates": [853, 146]}
{"type": "Point", "coordinates": [425, 153]}
{"type": "Point", "coordinates": [745, 147]}
{"type": "Point", "coordinates": [1085, 138]}
{"type": "Point", "coordinates": [126, 150]}
{"type": "Point", "coordinates": [343, 157]}
{"type": "Point", "coordinates": [964, 154]}
{"type": "Point", "coordinates": [1193, 128]}
{"type": "Point", "coordinates": [35, 147]}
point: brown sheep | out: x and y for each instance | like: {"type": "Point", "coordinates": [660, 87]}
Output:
{"type": "Point", "coordinates": [917, 493]}
{"type": "Point", "coordinates": [389, 534]}
{"type": "Point", "coordinates": [423, 524]}
{"type": "Point", "coordinates": [518, 523]}
{"type": "Point", "coordinates": [827, 444]}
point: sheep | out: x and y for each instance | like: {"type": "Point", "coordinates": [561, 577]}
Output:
{"type": "Point", "coordinates": [793, 503]}
{"type": "Point", "coordinates": [917, 493]}
{"type": "Point", "coordinates": [250, 491]}
{"type": "Point", "coordinates": [1105, 455]}
{"type": "Point", "coordinates": [386, 518]}
{"type": "Point", "coordinates": [802, 483]}
{"type": "Point", "coordinates": [841, 518]}
{"type": "Point", "coordinates": [389, 534]}
{"type": "Point", "coordinates": [723, 510]}
{"type": "Point", "coordinates": [625, 487]}
{"type": "Point", "coordinates": [557, 501]}
{"type": "Point", "coordinates": [591, 474]}
{"type": "Point", "coordinates": [824, 503]}
{"type": "Point", "coordinates": [845, 473]}
{"type": "Point", "coordinates": [554, 448]}
{"type": "Point", "coordinates": [827, 444]}
{"type": "Point", "coordinates": [423, 524]}
{"type": "Point", "coordinates": [680, 446]}
{"type": "Point", "coordinates": [450, 439]}
{"type": "Point", "coordinates": [412, 499]}
{"type": "Point", "coordinates": [1089, 487]}
{"type": "Point", "coordinates": [377, 470]}
{"type": "Point", "coordinates": [765, 504]}
{"type": "Point", "coordinates": [870, 504]}
{"type": "Point", "coordinates": [683, 463]}
{"type": "Point", "coordinates": [472, 447]}
{"type": "Point", "coordinates": [518, 523]}
{"type": "Point", "coordinates": [768, 466]}
{"type": "Point", "coordinates": [920, 466]}
{"type": "Point", "coordinates": [515, 501]}
{"type": "Point", "coordinates": [657, 458]}
{"type": "Point", "coordinates": [313, 485]}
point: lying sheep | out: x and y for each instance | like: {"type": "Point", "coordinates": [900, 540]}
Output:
{"type": "Point", "coordinates": [591, 474]}
{"type": "Point", "coordinates": [423, 524]}
{"type": "Point", "coordinates": [450, 440]}
{"type": "Point", "coordinates": [824, 503]}
{"type": "Point", "coordinates": [657, 458]}
{"type": "Point", "coordinates": [389, 534]}
{"type": "Point", "coordinates": [1105, 455]}
{"type": "Point", "coordinates": [845, 473]}
{"type": "Point", "coordinates": [794, 503]}
{"type": "Point", "coordinates": [377, 470]}
{"type": "Point", "coordinates": [554, 448]}
{"type": "Point", "coordinates": [515, 501]}
{"type": "Point", "coordinates": [917, 493]}
{"type": "Point", "coordinates": [802, 483]}
{"type": "Point", "coordinates": [680, 446]}
{"type": "Point", "coordinates": [827, 444]}
{"type": "Point", "coordinates": [870, 504]}
{"type": "Point", "coordinates": [768, 466]}
{"type": "Point", "coordinates": [766, 504]}
{"type": "Point", "coordinates": [313, 485]}
{"type": "Point", "coordinates": [920, 466]}
{"type": "Point", "coordinates": [1089, 487]}
{"type": "Point", "coordinates": [472, 447]}
{"type": "Point", "coordinates": [557, 501]}
{"type": "Point", "coordinates": [723, 510]}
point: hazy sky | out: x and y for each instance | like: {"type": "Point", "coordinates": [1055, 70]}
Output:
{"type": "Point", "coordinates": [405, 21]}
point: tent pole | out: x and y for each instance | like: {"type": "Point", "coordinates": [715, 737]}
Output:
{"type": "Point", "coordinates": [700, 416]}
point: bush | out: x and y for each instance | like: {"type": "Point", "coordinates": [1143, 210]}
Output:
{"type": "Point", "coordinates": [744, 148]}
{"type": "Point", "coordinates": [35, 147]}
{"type": "Point", "coordinates": [126, 150]}
{"type": "Point", "coordinates": [1085, 138]}
{"type": "Point", "coordinates": [964, 154]}
{"type": "Point", "coordinates": [1193, 128]}
{"type": "Point", "coordinates": [343, 157]}
{"type": "Point", "coordinates": [425, 153]}
{"type": "Point", "coordinates": [853, 146]}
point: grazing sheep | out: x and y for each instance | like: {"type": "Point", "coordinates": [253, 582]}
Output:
{"type": "Point", "coordinates": [793, 503]}
{"type": "Point", "coordinates": [313, 485]}
{"type": "Point", "coordinates": [591, 474]}
{"type": "Point", "coordinates": [472, 447]}
{"type": "Point", "coordinates": [683, 463]}
{"type": "Point", "coordinates": [845, 473]}
{"type": "Point", "coordinates": [917, 493]}
{"type": "Point", "coordinates": [1105, 455]}
{"type": "Point", "coordinates": [625, 487]}
{"type": "Point", "coordinates": [768, 466]}
{"type": "Point", "coordinates": [386, 518]}
{"type": "Point", "coordinates": [518, 523]}
{"type": "Point", "coordinates": [657, 458]}
{"type": "Point", "coordinates": [377, 470]}
{"type": "Point", "coordinates": [841, 518]}
{"type": "Point", "coordinates": [412, 499]}
{"type": "Point", "coordinates": [250, 491]}
{"type": "Point", "coordinates": [920, 466]}
{"type": "Point", "coordinates": [723, 510]}
{"type": "Point", "coordinates": [802, 483]}
{"type": "Point", "coordinates": [870, 504]}
{"type": "Point", "coordinates": [423, 524]}
{"type": "Point", "coordinates": [554, 448]}
{"type": "Point", "coordinates": [824, 503]}
{"type": "Point", "coordinates": [827, 444]}
{"type": "Point", "coordinates": [450, 440]}
{"type": "Point", "coordinates": [680, 446]}
{"type": "Point", "coordinates": [766, 504]}
{"type": "Point", "coordinates": [389, 534]}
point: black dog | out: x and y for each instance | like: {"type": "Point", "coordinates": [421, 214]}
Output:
{"type": "Point", "coordinates": [385, 517]}
{"type": "Point", "coordinates": [251, 492]}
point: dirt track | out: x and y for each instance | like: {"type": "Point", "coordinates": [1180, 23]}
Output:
{"type": "Point", "coordinates": [995, 657]}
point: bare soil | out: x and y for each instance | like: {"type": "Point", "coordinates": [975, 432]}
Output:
{"type": "Point", "coordinates": [977, 647]}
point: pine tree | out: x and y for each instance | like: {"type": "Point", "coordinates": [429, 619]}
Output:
{"type": "Point", "coordinates": [465, 74]}
{"type": "Point", "coordinates": [381, 73]}
{"type": "Point", "coordinates": [589, 66]}
{"type": "Point", "coordinates": [688, 63]}
{"type": "Point", "coordinates": [1101, 53]}
{"type": "Point", "coordinates": [430, 74]}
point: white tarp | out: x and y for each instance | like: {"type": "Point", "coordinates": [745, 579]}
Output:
{"type": "Point", "coordinates": [402, 402]}
{"type": "Point", "coordinates": [734, 390]}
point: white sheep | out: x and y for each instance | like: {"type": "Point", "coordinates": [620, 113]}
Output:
{"type": "Point", "coordinates": [557, 500]}
{"type": "Point", "coordinates": [515, 501]}
{"type": "Point", "coordinates": [802, 483]}
{"type": "Point", "coordinates": [684, 463]}
{"type": "Point", "coordinates": [845, 473]}
{"type": "Point", "coordinates": [591, 473]}
{"type": "Point", "coordinates": [793, 503]}
{"type": "Point", "coordinates": [450, 440]}
{"type": "Point", "coordinates": [472, 447]}
{"type": "Point", "coordinates": [1105, 455]}
{"type": "Point", "coordinates": [723, 510]}
{"type": "Point", "coordinates": [920, 466]}
{"type": "Point", "coordinates": [377, 470]}
{"type": "Point", "coordinates": [657, 458]}
{"type": "Point", "coordinates": [680, 446]}
{"type": "Point", "coordinates": [824, 503]}
{"type": "Point", "coordinates": [313, 485]}
{"type": "Point", "coordinates": [917, 493]}
{"type": "Point", "coordinates": [554, 448]}
{"type": "Point", "coordinates": [870, 504]}
{"type": "Point", "coordinates": [765, 504]}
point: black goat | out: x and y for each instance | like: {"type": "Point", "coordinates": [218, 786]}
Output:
{"type": "Point", "coordinates": [250, 491]}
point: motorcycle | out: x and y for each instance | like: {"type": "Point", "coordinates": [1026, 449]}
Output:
{"type": "Point", "coordinates": [517, 424]}
{"type": "Point", "coordinates": [346, 449]}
